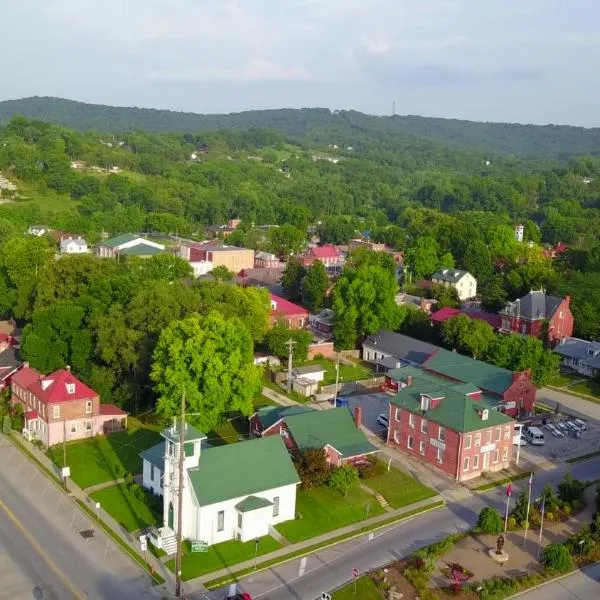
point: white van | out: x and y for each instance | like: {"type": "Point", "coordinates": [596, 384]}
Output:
{"type": "Point", "coordinates": [535, 436]}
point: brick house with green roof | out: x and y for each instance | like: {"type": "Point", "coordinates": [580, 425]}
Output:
{"type": "Point", "coordinates": [335, 430]}
{"type": "Point", "coordinates": [450, 425]}
{"type": "Point", "coordinates": [231, 492]}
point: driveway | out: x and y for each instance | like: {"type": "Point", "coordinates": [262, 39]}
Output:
{"type": "Point", "coordinates": [372, 404]}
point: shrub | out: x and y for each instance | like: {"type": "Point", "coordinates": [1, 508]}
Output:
{"type": "Point", "coordinates": [557, 558]}
{"type": "Point", "coordinates": [519, 512]}
{"type": "Point", "coordinates": [371, 469]}
{"type": "Point", "coordinates": [512, 523]}
{"type": "Point", "coordinates": [129, 479]}
{"type": "Point", "coordinates": [570, 489]}
{"type": "Point", "coordinates": [312, 467]}
{"type": "Point", "coordinates": [567, 510]}
{"type": "Point", "coordinates": [549, 516]}
{"type": "Point", "coordinates": [490, 521]}
{"type": "Point", "coordinates": [549, 498]}
{"type": "Point", "coordinates": [6, 425]}
{"type": "Point", "coordinates": [497, 587]}
{"type": "Point", "coordinates": [577, 504]}
{"type": "Point", "coordinates": [343, 478]}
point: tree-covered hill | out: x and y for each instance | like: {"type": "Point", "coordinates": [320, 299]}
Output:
{"type": "Point", "coordinates": [322, 126]}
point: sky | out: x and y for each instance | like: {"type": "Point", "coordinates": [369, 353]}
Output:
{"type": "Point", "coordinates": [528, 61]}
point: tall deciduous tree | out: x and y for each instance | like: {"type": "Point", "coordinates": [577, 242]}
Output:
{"type": "Point", "coordinates": [286, 240]}
{"type": "Point", "coordinates": [364, 302]}
{"type": "Point", "coordinates": [291, 280]}
{"type": "Point", "coordinates": [468, 336]}
{"type": "Point", "coordinates": [421, 257]}
{"type": "Point", "coordinates": [211, 361]}
{"type": "Point", "coordinates": [276, 338]}
{"type": "Point", "coordinates": [314, 286]}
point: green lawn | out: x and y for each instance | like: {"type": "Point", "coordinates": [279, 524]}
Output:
{"type": "Point", "coordinates": [324, 509]}
{"type": "Point", "coordinates": [572, 382]}
{"type": "Point", "coordinates": [365, 590]}
{"type": "Point", "coordinates": [398, 488]}
{"type": "Point", "coordinates": [106, 458]}
{"type": "Point", "coordinates": [588, 387]}
{"type": "Point", "coordinates": [347, 372]}
{"type": "Point", "coordinates": [126, 509]}
{"type": "Point", "coordinates": [219, 556]}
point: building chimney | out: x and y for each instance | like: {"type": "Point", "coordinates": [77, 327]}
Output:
{"type": "Point", "coordinates": [409, 380]}
{"type": "Point", "coordinates": [358, 416]}
{"type": "Point", "coordinates": [568, 300]}
{"type": "Point", "coordinates": [68, 368]}
{"type": "Point", "coordinates": [26, 365]}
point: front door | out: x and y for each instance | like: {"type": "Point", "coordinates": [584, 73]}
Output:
{"type": "Point", "coordinates": [170, 516]}
{"type": "Point", "coordinates": [486, 461]}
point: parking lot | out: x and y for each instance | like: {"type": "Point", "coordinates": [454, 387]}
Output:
{"type": "Point", "coordinates": [372, 405]}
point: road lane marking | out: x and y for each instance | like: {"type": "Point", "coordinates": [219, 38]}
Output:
{"type": "Point", "coordinates": [302, 568]}
{"type": "Point", "coordinates": [53, 566]}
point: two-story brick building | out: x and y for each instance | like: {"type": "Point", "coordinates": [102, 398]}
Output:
{"type": "Point", "coordinates": [539, 315]}
{"type": "Point", "coordinates": [449, 425]}
{"type": "Point", "coordinates": [59, 407]}
{"type": "Point", "coordinates": [284, 311]}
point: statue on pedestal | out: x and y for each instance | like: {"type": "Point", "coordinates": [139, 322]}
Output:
{"type": "Point", "coordinates": [499, 544]}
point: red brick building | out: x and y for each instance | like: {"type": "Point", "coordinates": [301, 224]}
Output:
{"type": "Point", "coordinates": [293, 315]}
{"type": "Point", "coordinates": [539, 315]}
{"type": "Point", "coordinates": [328, 255]}
{"type": "Point", "coordinates": [301, 427]}
{"type": "Point", "coordinates": [449, 425]}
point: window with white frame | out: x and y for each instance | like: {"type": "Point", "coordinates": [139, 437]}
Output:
{"type": "Point", "coordinates": [88, 425]}
{"type": "Point", "coordinates": [411, 421]}
{"type": "Point", "coordinates": [424, 425]}
{"type": "Point", "coordinates": [477, 440]}
{"type": "Point", "coordinates": [440, 455]}
{"type": "Point", "coordinates": [476, 461]}
{"type": "Point", "coordinates": [89, 405]}
{"type": "Point", "coordinates": [396, 437]}
{"type": "Point", "coordinates": [468, 441]}
{"type": "Point", "coordinates": [488, 436]}
{"type": "Point", "coordinates": [221, 520]}
{"type": "Point", "coordinates": [56, 411]}
{"type": "Point", "coordinates": [466, 464]}
{"type": "Point", "coordinates": [498, 433]}
{"type": "Point", "coordinates": [398, 414]}
{"type": "Point", "coordinates": [422, 448]}
{"type": "Point", "coordinates": [442, 435]}
{"type": "Point", "coordinates": [496, 456]}
{"type": "Point", "coordinates": [73, 426]}
{"type": "Point", "coordinates": [505, 454]}
{"type": "Point", "coordinates": [507, 433]}
{"type": "Point", "coordinates": [276, 506]}
{"type": "Point", "coordinates": [70, 388]}
{"type": "Point", "coordinates": [409, 442]}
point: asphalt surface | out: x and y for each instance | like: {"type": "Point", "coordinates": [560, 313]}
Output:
{"type": "Point", "coordinates": [329, 569]}
{"type": "Point", "coordinates": [41, 542]}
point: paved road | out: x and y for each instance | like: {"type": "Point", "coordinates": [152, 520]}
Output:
{"type": "Point", "coordinates": [582, 585]}
{"type": "Point", "coordinates": [40, 530]}
{"type": "Point", "coordinates": [331, 568]}
{"type": "Point", "coordinates": [579, 407]}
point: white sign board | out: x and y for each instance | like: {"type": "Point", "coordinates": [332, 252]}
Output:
{"type": "Point", "coordinates": [143, 543]}
{"type": "Point", "coordinates": [510, 405]}
{"type": "Point", "coordinates": [488, 448]}
{"type": "Point", "coordinates": [65, 472]}
{"type": "Point", "coordinates": [437, 444]}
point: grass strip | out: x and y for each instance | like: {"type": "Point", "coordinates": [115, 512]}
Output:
{"type": "Point", "coordinates": [494, 484]}
{"type": "Point", "coordinates": [583, 457]}
{"type": "Point", "coordinates": [156, 577]}
{"type": "Point", "coordinates": [221, 581]}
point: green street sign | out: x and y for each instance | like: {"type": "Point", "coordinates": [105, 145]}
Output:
{"type": "Point", "coordinates": [199, 546]}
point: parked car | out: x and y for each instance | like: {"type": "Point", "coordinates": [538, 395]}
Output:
{"type": "Point", "coordinates": [581, 424]}
{"type": "Point", "coordinates": [562, 427]}
{"type": "Point", "coordinates": [383, 420]}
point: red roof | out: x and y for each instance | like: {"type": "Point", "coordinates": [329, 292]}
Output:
{"type": "Point", "coordinates": [112, 410]}
{"type": "Point", "coordinates": [26, 376]}
{"type": "Point", "coordinates": [31, 414]}
{"type": "Point", "coordinates": [444, 314]}
{"type": "Point", "coordinates": [55, 387]}
{"type": "Point", "coordinates": [327, 251]}
{"type": "Point", "coordinates": [287, 308]}
{"type": "Point", "coordinates": [448, 313]}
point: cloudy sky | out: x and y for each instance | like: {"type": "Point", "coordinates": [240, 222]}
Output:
{"type": "Point", "coordinates": [505, 60]}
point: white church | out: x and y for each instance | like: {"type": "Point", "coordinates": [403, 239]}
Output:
{"type": "Point", "coordinates": [231, 492]}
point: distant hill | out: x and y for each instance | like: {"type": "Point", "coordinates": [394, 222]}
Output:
{"type": "Point", "coordinates": [320, 124]}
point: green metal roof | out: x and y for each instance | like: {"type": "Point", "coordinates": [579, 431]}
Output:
{"type": "Point", "coordinates": [456, 410]}
{"type": "Point", "coordinates": [462, 368]}
{"type": "Point", "coordinates": [269, 415]}
{"type": "Point", "coordinates": [334, 427]}
{"type": "Point", "coordinates": [120, 239]}
{"type": "Point", "coordinates": [191, 434]}
{"type": "Point", "coordinates": [155, 455]}
{"type": "Point", "coordinates": [252, 503]}
{"type": "Point", "coordinates": [141, 249]}
{"type": "Point", "coordinates": [242, 469]}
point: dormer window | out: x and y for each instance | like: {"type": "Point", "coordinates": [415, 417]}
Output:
{"type": "Point", "coordinates": [46, 383]}
{"type": "Point", "coordinates": [70, 388]}
{"type": "Point", "coordinates": [485, 413]}
{"type": "Point", "coordinates": [88, 406]}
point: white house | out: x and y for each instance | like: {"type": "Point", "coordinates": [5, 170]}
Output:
{"type": "Point", "coordinates": [463, 282]}
{"type": "Point", "coordinates": [38, 230]}
{"type": "Point", "coordinates": [231, 492]}
{"type": "Point", "coordinates": [71, 245]}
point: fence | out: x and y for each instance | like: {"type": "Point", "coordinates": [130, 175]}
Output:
{"type": "Point", "coordinates": [352, 387]}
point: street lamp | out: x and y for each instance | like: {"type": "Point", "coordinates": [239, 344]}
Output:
{"type": "Point", "coordinates": [581, 542]}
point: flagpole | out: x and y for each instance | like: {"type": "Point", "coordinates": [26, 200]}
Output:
{"type": "Point", "coordinates": [508, 493]}
{"type": "Point", "coordinates": [541, 527]}
{"type": "Point", "coordinates": [528, 504]}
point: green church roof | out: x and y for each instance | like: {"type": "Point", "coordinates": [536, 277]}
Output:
{"type": "Point", "coordinates": [252, 503]}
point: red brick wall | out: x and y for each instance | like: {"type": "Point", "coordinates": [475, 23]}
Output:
{"type": "Point", "coordinates": [561, 324]}
{"type": "Point", "coordinates": [298, 321]}
{"type": "Point", "coordinates": [475, 449]}
{"type": "Point", "coordinates": [333, 458]}
{"type": "Point", "coordinates": [522, 391]}
{"type": "Point", "coordinates": [325, 349]}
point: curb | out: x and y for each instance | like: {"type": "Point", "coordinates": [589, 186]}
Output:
{"type": "Point", "coordinates": [234, 576]}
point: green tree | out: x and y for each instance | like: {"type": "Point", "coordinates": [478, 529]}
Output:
{"type": "Point", "coordinates": [276, 338]}
{"type": "Point", "coordinates": [421, 257]}
{"type": "Point", "coordinates": [490, 521]}
{"type": "Point", "coordinates": [519, 512]}
{"type": "Point", "coordinates": [343, 478]}
{"type": "Point", "coordinates": [211, 361]}
{"type": "Point", "coordinates": [570, 489]}
{"type": "Point", "coordinates": [291, 280]}
{"type": "Point", "coordinates": [286, 240]}
{"type": "Point", "coordinates": [314, 287]}
{"type": "Point", "coordinates": [468, 335]}
{"type": "Point", "coordinates": [364, 302]}
{"type": "Point", "coordinates": [6, 425]}
{"type": "Point", "coordinates": [445, 295]}
{"type": "Point", "coordinates": [557, 558]}
{"type": "Point", "coordinates": [549, 498]}
{"type": "Point", "coordinates": [222, 273]}
{"type": "Point", "coordinates": [312, 467]}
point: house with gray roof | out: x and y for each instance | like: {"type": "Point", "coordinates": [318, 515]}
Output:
{"type": "Point", "coordinates": [462, 281]}
{"type": "Point", "coordinates": [231, 492]}
{"type": "Point", "coordinates": [539, 315]}
{"type": "Point", "coordinates": [582, 356]}
{"type": "Point", "coordinates": [388, 350]}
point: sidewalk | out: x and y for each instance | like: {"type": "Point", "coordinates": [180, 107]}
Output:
{"type": "Point", "coordinates": [76, 493]}
{"type": "Point", "coordinates": [195, 585]}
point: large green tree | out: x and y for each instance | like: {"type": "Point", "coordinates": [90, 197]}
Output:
{"type": "Point", "coordinates": [210, 360]}
{"type": "Point", "coordinates": [314, 286]}
{"type": "Point", "coordinates": [291, 280]}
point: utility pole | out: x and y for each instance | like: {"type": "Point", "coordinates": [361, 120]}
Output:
{"type": "Point", "coordinates": [290, 344]}
{"type": "Point", "coordinates": [337, 379]}
{"type": "Point", "coordinates": [180, 501]}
